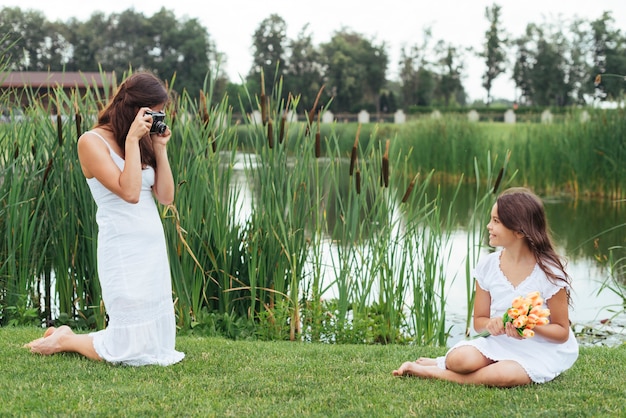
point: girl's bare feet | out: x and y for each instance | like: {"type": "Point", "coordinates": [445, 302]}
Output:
{"type": "Point", "coordinates": [50, 343]}
{"type": "Point", "coordinates": [413, 368]}
{"type": "Point", "coordinates": [425, 361]}
{"type": "Point", "coordinates": [49, 332]}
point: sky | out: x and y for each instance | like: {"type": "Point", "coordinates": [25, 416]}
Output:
{"type": "Point", "coordinates": [397, 23]}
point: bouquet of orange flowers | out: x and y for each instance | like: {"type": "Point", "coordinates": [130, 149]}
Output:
{"type": "Point", "coordinates": [525, 314]}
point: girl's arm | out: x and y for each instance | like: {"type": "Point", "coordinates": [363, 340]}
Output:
{"type": "Point", "coordinates": [558, 329]}
{"type": "Point", "coordinates": [482, 310]}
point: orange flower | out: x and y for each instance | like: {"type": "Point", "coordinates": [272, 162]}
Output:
{"type": "Point", "coordinates": [514, 312]}
{"type": "Point", "coordinates": [520, 321]}
{"type": "Point", "coordinates": [525, 314]}
{"type": "Point", "coordinates": [519, 302]}
{"type": "Point", "coordinates": [535, 299]}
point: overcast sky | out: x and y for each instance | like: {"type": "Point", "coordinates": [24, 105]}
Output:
{"type": "Point", "coordinates": [397, 23]}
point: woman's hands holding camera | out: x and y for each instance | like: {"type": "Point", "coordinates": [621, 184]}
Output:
{"type": "Point", "coordinates": [140, 126]}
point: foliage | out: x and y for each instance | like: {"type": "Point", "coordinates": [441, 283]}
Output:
{"type": "Point", "coordinates": [220, 377]}
{"type": "Point", "coordinates": [494, 52]}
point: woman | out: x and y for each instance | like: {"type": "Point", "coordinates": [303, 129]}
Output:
{"type": "Point", "coordinates": [126, 168]}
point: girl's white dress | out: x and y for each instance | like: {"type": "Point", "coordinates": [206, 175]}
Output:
{"type": "Point", "coordinates": [134, 274]}
{"type": "Point", "coordinates": [543, 360]}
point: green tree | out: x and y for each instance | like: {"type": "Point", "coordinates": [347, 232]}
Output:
{"type": "Point", "coordinates": [417, 73]}
{"type": "Point", "coordinates": [494, 52]}
{"type": "Point", "coordinates": [303, 70]}
{"type": "Point", "coordinates": [355, 71]}
{"type": "Point", "coordinates": [27, 43]}
{"type": "Point", "coordinates": [269, 51]}
{"type": "Point", "coordinates": [609, 58]}
{"type": "Point", "coordinates": [451, 67]}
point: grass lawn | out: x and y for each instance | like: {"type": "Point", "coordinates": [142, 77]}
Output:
{"type": "Point", "coordinates": [221, 378]}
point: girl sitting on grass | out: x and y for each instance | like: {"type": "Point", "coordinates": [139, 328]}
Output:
{"type": "Point", "coordinates": [525, 263]}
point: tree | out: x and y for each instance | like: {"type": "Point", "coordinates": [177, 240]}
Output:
{"type": "Point", "coordinates": [269, 44]}
{"type": "Point", "coordinates": [609, 58]}
{"type": "Point", "coordinates": [303, 70]}
{"type": "Point", "coordinates": [541, 70]}
{"type": "Point", "coordinates": [27, 43]}
{"type": "Point", "coordinates": [355, 71]}
{"type": "Point", "coordinates": [494, 52]}
{"type": "Point", "coordinates": [451, 67]}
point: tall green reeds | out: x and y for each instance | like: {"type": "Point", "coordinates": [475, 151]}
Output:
{"type": "Point", "coordinates": [281, 228]}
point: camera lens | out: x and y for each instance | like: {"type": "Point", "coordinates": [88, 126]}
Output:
{"type": "Point", "coordinates": [159, 127]}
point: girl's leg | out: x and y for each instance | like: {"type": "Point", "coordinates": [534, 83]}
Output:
{"type": "Point", "coordinates": [467, 365]}
{"type": "Point", "coordinates": [505, 373]}
{"type": "Point", "coordinates": [63, 339]}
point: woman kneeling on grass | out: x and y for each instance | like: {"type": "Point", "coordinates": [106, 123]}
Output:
{"type": "Point", "coordinates": [525, 263]}
{"type": "Point", "coordinates": [124, 159]}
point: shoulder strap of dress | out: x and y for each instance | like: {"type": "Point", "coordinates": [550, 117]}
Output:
{"type": "Point", "coordinates": [101, 137]}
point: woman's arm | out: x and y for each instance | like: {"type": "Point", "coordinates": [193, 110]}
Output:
{"type": "Point", "coordinates": [163, 188]}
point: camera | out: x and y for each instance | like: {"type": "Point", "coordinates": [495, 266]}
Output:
{"type": "Point", "coordinates": [158, 126]}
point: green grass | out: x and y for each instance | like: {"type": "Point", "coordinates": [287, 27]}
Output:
{"type": "Point", "coordinates": [222, 377]}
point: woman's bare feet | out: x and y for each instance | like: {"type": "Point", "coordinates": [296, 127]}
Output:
{"type": "Point", "coordinates": [426, 361]}
{"type": "Point", "coordinates": [50, 343]}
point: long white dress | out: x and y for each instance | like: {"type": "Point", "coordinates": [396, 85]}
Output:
{"type": "Point", "coordinates": [134, 274]}
{"type": "Point", "coordinates": [543, 360]}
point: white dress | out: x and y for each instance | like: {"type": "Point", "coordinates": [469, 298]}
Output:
{"type": "Point", "coordinates": [134, 274]}
{"type": "Point", "coordinates": [543, 360]}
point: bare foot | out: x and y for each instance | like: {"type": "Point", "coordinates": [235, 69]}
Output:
{"type": "Point", "coordinates": [425, 361]}
{"type": "Point", "coordinates": [412, 368]}
{"type": "Point", "coordinates": [51, 341]}
{"type": "Point", "coordinates": [49, 332]}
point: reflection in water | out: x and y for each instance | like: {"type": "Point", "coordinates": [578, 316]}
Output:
{"type": "Point", "coordinates": [578, 229]}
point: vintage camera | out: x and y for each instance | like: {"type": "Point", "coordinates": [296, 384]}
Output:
{"type": "Point", "coordinates": [158, 126]}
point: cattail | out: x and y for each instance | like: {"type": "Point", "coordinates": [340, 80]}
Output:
{"type": "Point", "coordinates": [357, 181]}
{"type": "Point", "coordinates": [204, 109]}
{"type": "Point", "coordinates": [313, 110]}
{"type": "Point", "coordinates": [498, 179]}
{"type": "Point", "coordinates": [60, 129]}
{"type": "Point", "coordinates": [409, 189]}
{"type": "Point", "coordinates": [48, 168]}
{"type": "Point", "coordinates": [281, 128]}
{"type": "Point", "coordinates": [213, 142]}
{"type": "Point", "coordinates": [385, 167]}
{"type": "Point", "coordinates": [270, 133]}
{"type": "Point", "coordinates": [283, 121]}
{"type": "Point", "coordinates": [79, 121]}
{"type": "Point", "coordinates": [264, 117]}
{"type": "Point", "coordinates": [355, 146]}
{"type": "Point", "coordinates": [318, 142]}
{"type": "Point", "coordinates": [16, 153]}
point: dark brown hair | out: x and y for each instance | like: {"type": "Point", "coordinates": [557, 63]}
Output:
{"type": "Point", "coordinates": [520, 210]}
{"type": "Point", "coordinates": [141, 89]}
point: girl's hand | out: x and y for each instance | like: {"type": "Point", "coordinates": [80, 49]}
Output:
{"type": "Point", "coordinates": [140, 126]}
{"type": "Point", "coordinates": [512, 332]}
{"type": "Point", "coordinates": [495, 326]}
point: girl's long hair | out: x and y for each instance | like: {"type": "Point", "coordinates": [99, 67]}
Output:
{"type": "Point", "coordinates": [139, 90]}
{"type": "Point", "coordinates": [520, 210]}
